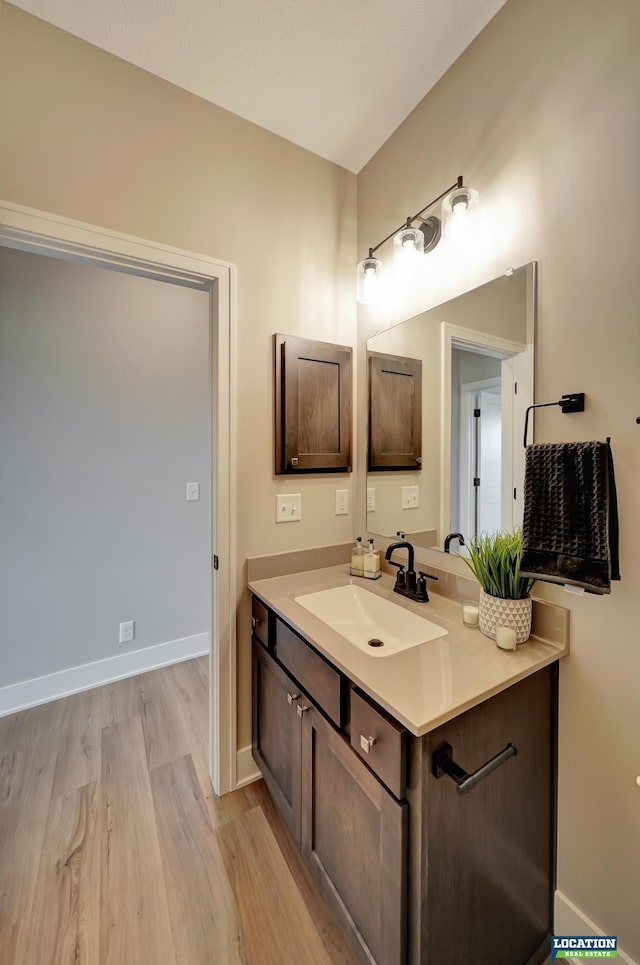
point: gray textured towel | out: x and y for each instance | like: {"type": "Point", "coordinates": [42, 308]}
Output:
{"type": "Point", "coordinates": [570, 525]}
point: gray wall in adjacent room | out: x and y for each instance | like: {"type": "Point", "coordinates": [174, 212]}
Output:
{"type": "Point", "coordinates": [104, 418]}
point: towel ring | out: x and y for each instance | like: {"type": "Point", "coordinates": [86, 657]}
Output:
{"type": "Point", "coordinates": [573, 402]}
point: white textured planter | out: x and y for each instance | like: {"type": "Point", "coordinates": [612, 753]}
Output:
{"type": "Point", "coordinates": [495, 612]}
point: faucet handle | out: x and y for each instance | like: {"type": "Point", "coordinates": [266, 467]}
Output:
{"type": "Point", "coordinates": [427, 576]}
{"type": "Point", "coordinates": [422, 583]}
{"type": "Point", "coordinates": [401, 581]}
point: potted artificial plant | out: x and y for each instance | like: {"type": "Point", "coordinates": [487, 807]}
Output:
{"type": "Point", "coordinates": [494, 560]}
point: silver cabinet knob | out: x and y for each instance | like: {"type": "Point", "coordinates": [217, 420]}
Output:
{"type": "Point", "coordinates": [302, 709]}
{"type": "Point", "coordinates": [291, 698]}
{"type": "Point", "coordinates": [366, 743]}
{"type": "Point", "coordinates": [254, 622]}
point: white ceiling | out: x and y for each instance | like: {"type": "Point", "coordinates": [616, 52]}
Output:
{"type": "Point", "coordinates": [335, 76]}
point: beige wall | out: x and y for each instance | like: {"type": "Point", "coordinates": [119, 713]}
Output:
{"type": "Point", "coordinates": [540, 114]}
{"type": "Point", "coordinates": [90, 137]}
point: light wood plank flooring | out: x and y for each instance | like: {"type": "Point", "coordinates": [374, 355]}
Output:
{"type": "Point", "coordinates": [115, 851]}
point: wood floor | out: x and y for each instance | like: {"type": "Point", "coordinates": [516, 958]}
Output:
{"type": "Point", "coordinates": [115, 851]}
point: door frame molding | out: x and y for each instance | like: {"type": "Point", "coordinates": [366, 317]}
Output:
{"type": "Point", "coordinates": [41, 232]}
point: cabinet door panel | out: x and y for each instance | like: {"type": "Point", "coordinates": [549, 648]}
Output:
{"type": "Point", "coordinates": [491, 854]}
{"type": "Point", "coordinates": [395, 412]}
{"type": "Point", "coordinates": [313, 406]}
{"type": "Point", "coordinates": [354, 835]}
{"type": "Point", "coordinates": [276, 735]}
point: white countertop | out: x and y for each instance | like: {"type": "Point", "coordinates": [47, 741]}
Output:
{"type": "Point", "coordinates": [426, 685]}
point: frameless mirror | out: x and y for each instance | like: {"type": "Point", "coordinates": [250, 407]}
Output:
{"type": "Point", "coordinates": [463, 373]}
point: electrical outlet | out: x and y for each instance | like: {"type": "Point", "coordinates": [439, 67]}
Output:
{"type": "Point", "coordinates": [410, 497]}
{"type": "Point", "coordinates": [193, 492]}
{"type": "Point", "coordinates": [127, 631]}
{"type": "Point", "coordinates": [289, 508]}
{"type": "Point", "coordinates": [342, 502]}
{"type": "Point", "coordinates": [371, 500]}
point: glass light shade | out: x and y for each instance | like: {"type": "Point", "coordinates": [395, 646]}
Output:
{"type": "Point", "coordinates": [408, 245]}
{"type": "Point", "coordinates": [457, 205]}
{"type": "Point", "coordinates": [369, 279]}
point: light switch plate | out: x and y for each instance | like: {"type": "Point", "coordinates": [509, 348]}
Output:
{"type": "Point", "coordinates": [193, 492]}
{"type": "Point", "coordinates": [289, 508]}
{"type": "Point", "coordinates": [410, 497]}
{"type": "Point", "coordinates": [342, 502]}
{"type": "Point", "coordinates": [371, 500]}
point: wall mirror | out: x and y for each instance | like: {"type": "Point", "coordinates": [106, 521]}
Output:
{"type": "Point", "coordinates": [464, 471]}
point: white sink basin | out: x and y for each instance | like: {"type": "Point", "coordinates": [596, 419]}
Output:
{"type": "Point", "coordinates": [361, 617]}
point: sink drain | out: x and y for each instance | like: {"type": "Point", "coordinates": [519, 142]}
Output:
{"type": "Point", "coordinates": [374, 642]}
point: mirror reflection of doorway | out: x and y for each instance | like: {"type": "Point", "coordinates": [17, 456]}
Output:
{"type": "Point", "coordinates": [480, 481]}
{"type": "Point", "coordinates": [485, 407]}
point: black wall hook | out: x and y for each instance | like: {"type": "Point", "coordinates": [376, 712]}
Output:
{"type": "Point", "coordinates": [573, 402]}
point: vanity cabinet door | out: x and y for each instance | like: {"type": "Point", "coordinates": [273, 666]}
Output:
{"type": "Point", "coordinates": [490, 854]}
{"type": "Point", "coordinates": [354, 836]}
{"type": "Point", "coordinates": [312, 406]}
{"type": "Point", "coordinates": [395, 413]}
{"type": "Point", "coordinates": [276, 735]}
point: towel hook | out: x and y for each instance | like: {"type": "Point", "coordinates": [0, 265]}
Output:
{"type": "Point", "coordinates": [573, 402]}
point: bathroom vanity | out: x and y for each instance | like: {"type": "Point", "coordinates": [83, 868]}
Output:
{"type": "Point", "coordinates": [355, 746]}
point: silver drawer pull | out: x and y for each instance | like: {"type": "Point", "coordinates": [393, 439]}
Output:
{"type": "Point", "coordinates": [291, 698]}
{"type": "Point", "coordinates": [302, 709]}
{"type": "Point", "coordinates": [255, 621]}
{"type": "Point", "coordinates": [366, 743]}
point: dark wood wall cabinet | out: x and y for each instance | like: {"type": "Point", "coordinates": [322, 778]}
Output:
{"type": "Point", "coordinates": [313, 387]}
{"type": "Point", "coordinates": [415, 871]}
{"type": "Point", "coordinates": [395, 413]}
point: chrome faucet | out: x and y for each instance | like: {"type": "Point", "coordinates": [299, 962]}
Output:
{"type": "Point", "coordinates": [410, 584]}
{"type": "Point", "coordinates": [451, 536]}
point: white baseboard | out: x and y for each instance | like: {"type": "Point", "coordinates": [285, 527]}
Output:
{"type": "Point", "coordinates": [569, 920]}
{"type": "Point", "coordinates": [246, 768]}
{"type": "Point", "coordinates": [40, 690]}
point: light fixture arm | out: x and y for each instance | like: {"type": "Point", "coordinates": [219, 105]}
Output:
{"type": "Point", "coordinates": [407, 224]}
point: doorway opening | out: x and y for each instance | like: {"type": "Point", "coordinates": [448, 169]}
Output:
{"type": "Point", "coordinates": [41, 233]}
{"type": "Point", "coordinates": [476, 471]}
{"type": "Point", "coordinates": [487, 386]}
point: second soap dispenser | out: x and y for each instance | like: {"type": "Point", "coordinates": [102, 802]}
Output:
{"type": "Point", "coordinates": [372, 570]}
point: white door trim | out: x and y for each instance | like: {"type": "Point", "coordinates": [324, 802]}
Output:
{"type": "Point", "coordinates": [49, 234]}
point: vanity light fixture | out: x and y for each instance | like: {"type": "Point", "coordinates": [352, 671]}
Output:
{"type": "Point", "coordinates": [417, 235]}
{"type": "Point", "coordinates": [456, 206]}
{"type": "Point", "coordinates": [369, 279]}
{"type": "Point", "coordinates": [408, 245]}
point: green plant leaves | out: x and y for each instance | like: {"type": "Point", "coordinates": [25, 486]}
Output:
{"type": "Point", "coordinates": [494, 560]}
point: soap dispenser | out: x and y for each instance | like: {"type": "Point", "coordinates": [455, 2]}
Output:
{"type": "Point", "coordinates": [372, 562]}
{"type": "Point", "coordinates": [357, 558]}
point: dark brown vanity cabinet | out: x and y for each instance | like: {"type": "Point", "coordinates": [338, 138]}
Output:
{"type": "Point", "coordinates": [416, 872]}
{"type": "Point", "coordinates": [277, 735]}
{"type": "Point", "coordinates": [354, 837]}
{"type": "Point", "coordinates": [351, 829]}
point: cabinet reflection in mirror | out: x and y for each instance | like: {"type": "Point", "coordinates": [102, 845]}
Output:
{"type": "Point", "coordinates": [464, 472]}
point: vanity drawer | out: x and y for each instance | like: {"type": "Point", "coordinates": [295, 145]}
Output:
{"type": "Point", "coordinates": [260, 620]}
{"type": "Point", "coordinates": [380, 741]}
{"type": "Point", "coordinates": [314, 674]}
